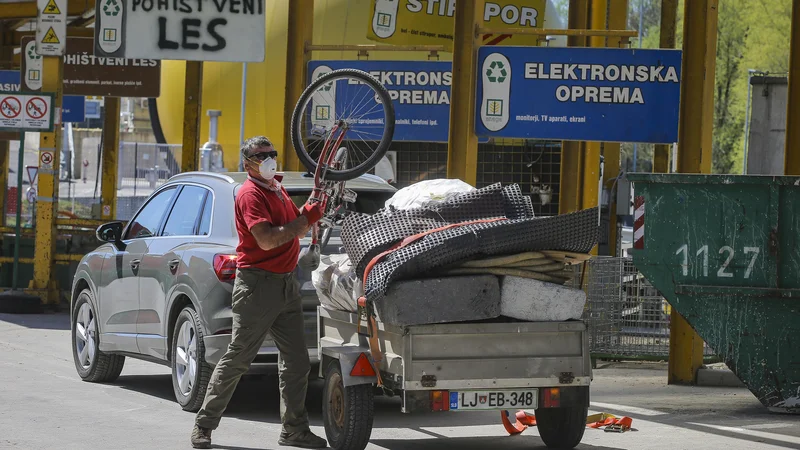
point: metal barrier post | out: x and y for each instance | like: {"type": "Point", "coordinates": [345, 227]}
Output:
{"type": "Point", "coordinates": [47, 198]}
{"type": "Point", "coordinates": [462, 145]}
{"type": "Point", "coordinates": [669, 21]}
{"type": "Point", "coordinates": [191, 116]}
{"type": "Point", "coordinates": [18, 225]}
{"type": "Point", "coordinates": [694, 153]}
{"type": "Point", "coordinates": [108, 185]}
{"type": "Point", "coordinates": [300, 32]}
{"type": "Point", "coordinates": [791, 152]}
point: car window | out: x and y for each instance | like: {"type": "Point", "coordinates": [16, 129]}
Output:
{"type": "Point", "coordinates": [183, 218]}
{"type": "Point", "coordinates": [367, 202]}
{"type": "Point", "coordinates": [146, 223]}
{"type": "Point", "coordinates": [205, 220]}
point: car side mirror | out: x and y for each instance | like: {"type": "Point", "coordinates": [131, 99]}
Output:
{"type": "Point", "coordinates": [110, 232]}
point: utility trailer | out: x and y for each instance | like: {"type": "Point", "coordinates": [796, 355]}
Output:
{"type": "Point", "coordinates": [455, 367]}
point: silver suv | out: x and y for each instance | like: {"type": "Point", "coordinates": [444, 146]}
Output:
{"type": "Point", "coordinates": [159, 288]}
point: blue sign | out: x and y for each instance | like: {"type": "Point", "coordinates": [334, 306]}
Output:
{"type": "Point", "coordinates": [9, 81]}
{"type": "Point", "coordinates": [420, 91]}
{"type": "Point", "coordinates": [92, 109]}
{"type": "Point", "coordinates": [586, 94]}
{"type": "Point", "coordinates": [72, 109]}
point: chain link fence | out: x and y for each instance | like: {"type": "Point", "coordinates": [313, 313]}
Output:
{"type": "Point", "coordinates": [142, 168]}
{"type": "Point", "coordinates": [626, 315]}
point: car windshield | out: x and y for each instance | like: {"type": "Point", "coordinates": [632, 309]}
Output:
{"type": "Point", "coordinates": [367, 202]}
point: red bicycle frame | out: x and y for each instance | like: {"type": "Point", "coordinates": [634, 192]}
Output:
{"type": "Point", "coordinates": [326, 158]}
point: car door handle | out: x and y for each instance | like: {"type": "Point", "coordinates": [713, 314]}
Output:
{"type": "Point", "coordinates": [173, 265]}
{"type": "Point", "coordinates": [135, 264]}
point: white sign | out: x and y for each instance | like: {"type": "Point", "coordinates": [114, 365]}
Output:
{"type": "Point", "coordinates": [110, 29]}
{"type": "Point", "coordinates": [51, 27]}
{"type": "Point", "coordinates": [25, 112]}
{"type": "Point", "coordinates": [46, 160]}
{"type": "Point", "coordinates": [210, 30]}
{"type": "Point", "coordinates": [32, 78]}
{"type": "Point", "coordinates": [30, 194]}
{"type": "Point", "coordinates": [32, 172]}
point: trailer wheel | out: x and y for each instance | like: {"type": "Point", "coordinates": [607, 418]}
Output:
{"type": "Point", "coordinates": [346, 411]}
{"type": "Point", "coordinates": [561, 427]}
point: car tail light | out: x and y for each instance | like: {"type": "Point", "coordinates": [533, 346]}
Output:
{"type": "Point", "coordinates": [552, 397]}
{"type": "Point", "coordinates": [225, 267]}
{"type": "Point", "coordinates": [440, 400]}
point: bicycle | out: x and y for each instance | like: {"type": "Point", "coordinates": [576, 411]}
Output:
{"type": "Point", "coordinates": [326, 135]}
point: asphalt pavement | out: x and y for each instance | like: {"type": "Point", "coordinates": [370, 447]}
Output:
{"type": "Point", "coordinates": [45, 405]}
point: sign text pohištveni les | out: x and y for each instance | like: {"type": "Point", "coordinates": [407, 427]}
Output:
{"type": "Point", "coordinates": [613, 95]}
{"type": "Point", "coordinates": [192, 30]}
{"type": "Point", "coordinates": [420, 91]}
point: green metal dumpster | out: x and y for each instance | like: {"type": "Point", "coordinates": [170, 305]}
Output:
{"type": "Point", "coordinates": [725, 252]}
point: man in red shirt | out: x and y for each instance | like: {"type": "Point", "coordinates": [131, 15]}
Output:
{"type": "Point", "coordinates": [266, 298]}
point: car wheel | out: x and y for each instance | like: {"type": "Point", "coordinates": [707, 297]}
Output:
{"type": "Point", "coordinates": [190, 372]}
{"type": "Point", "coordinates": [92, 364]}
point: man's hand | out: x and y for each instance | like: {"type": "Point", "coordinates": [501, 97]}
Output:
{"type": "Point", "coordinates": [312, 212]}
{"type": "Point", "coordinates": [309, 258]}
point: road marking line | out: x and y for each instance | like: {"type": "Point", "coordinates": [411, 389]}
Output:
{"type": "Point", "coordinates": [753, 433]}
{"type": "Point", "coordinates": [769, 426]}
{"type": "Point", "coordinates": [629, 409]}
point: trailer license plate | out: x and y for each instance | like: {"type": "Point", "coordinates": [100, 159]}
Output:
{"type": "Point", "coordinates": [477, 400]}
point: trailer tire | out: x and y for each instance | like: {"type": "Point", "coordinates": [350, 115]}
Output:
{"type": "Point", "coordinates": [562, 427]}
{"type": "Point", "coordinates": [346, 411]}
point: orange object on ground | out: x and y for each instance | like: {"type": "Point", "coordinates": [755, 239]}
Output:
{"type": "Point", "coordinates": [525, 420]}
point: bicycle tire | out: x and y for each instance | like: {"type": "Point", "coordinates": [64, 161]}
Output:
{"type": "Point", "coordinates": [383, 145]}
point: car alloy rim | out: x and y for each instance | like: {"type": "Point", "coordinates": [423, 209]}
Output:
{"type": "Point", "coordinates": [186, 357]}
{"type": "Point", "coordinates": [85, 332]}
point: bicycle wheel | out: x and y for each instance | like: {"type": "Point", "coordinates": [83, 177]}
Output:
{"type": "Point", "coordinates": [361, 122]}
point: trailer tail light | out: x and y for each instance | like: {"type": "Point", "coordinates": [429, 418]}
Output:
{"type": "Point", "coordinates": [551, 397]}
{"type": "Point", "coordinates": [225, 267]}
{"type": "Point", "coordinates": [440, 400]}
{"type": "Point", "coordinates": [362, 367]}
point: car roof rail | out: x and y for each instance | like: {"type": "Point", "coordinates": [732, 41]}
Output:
{"type": "Point", "coordinates": [203, 174]}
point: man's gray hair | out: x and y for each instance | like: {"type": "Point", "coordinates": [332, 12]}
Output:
{"type": "Point", "coordinates": [254, 143]}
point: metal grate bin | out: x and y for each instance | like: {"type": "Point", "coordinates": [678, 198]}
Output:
{"type": "Point", "coordinates": [627, 317]}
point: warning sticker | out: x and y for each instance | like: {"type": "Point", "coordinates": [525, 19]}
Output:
{"type": "Point", "coordinates": [51, 27]}
{"type": "Point", "coordinates": [50, 37]}
{"type": "Point", "coordinates": [20, 112]}
{"type": "Point", "coordinates": [52, 8]}
{"type": "Point", "coordinates": [46, 161]}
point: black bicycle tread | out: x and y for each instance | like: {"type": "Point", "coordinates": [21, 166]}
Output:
{"type": "Point", "coordinates": [383, 147]}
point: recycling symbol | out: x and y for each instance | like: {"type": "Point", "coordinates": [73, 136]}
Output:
{"type": "Point", "coordinates": [32, 52]}
{"type": "Point", "coordinates": [325, 87]}
{"type": "Point", "coordinates": [496, 73]}
{"type": "Point", "coordinates": [111, 8]}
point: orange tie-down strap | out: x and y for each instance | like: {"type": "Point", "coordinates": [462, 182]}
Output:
{"type": "Point", "coordinates": [525, 420]}
{"type": "Point", "coordinates": [372, 325]}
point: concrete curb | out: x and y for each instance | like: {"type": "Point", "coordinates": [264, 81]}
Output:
{"type": "Point", "coordinates": [18, 302]}
{"type": "Point", "coordinates": [719, 377]}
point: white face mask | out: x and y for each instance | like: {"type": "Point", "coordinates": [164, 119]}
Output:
{"type": "Point", "coordinates": [268, 168]}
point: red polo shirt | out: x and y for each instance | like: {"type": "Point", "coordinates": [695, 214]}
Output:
{"type": "Point", "coordinates": [255, 204]}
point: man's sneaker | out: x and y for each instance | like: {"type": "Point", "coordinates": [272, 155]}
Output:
{"type": "Point", "coordinates": [302, 439]}
{"type": "Point", "coordinates": [201, 437]}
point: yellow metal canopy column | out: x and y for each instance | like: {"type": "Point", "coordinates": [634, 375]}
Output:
{"type": "Point", "coordinates": [791, 155]}
{"type": "Point", "coordinates": [300, 33]}
{"type": "Point", "coordinates": [669, 23]}
{"type": "Point", "coordinates": [190, 153]}
{"type": "Point", "coordinates": [4, 150]}
{"type": "Point", "coordinates": [462, 143]}
{"type": "Point", "coordinates": [110, 170]}
{"type": "Point", "coordinates": [694, 153]}
{"type": "Point", "coordinates": [606, 15]}
{"type": "Point", "coordinates": [43, 281]}
{"type": "Point", "coordinates": [573, 152]}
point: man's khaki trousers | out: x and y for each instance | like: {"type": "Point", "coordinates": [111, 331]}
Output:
{"type": "Point", "coordinates": [263, 302]}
